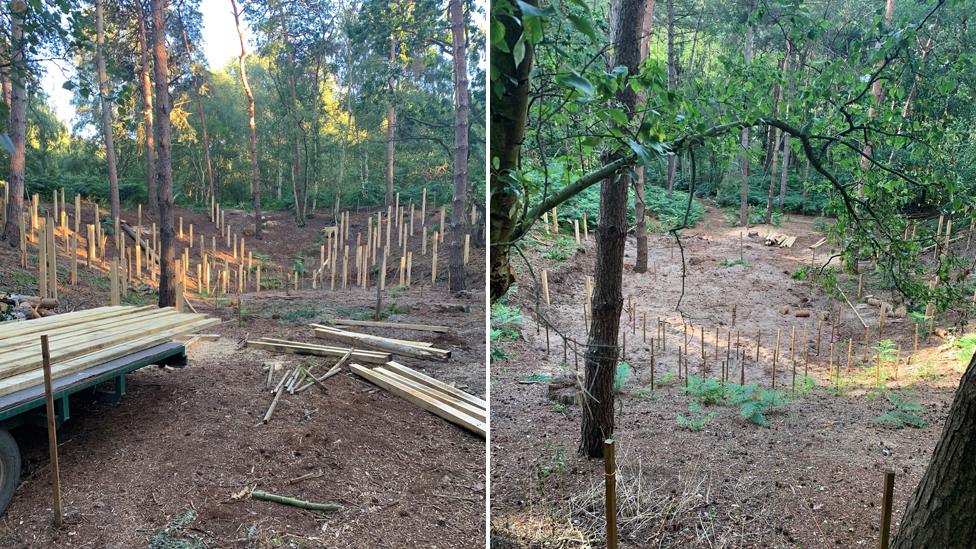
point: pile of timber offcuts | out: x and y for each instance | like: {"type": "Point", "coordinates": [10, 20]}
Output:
{"type": "Point", "coordinates": [403, 347]}
{"type": "Point", "coordinates": [441, 399]}
{"type": "Point", "coordinates": [83, 339]}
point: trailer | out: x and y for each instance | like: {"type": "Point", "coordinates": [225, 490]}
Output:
{"type": "Point", "coordinates": [27, 406]}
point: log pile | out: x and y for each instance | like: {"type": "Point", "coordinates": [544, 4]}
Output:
{"type": "Point", "coordinates": [402, 347]}
{"type": "Point", "coordinates": [27, 307]}
{"type": "Point", "coordinates": [779, 239]}
{"type": "Point", "coordinates": [438, 398]}
{"type": "Point", "coordinates": [83, 339]}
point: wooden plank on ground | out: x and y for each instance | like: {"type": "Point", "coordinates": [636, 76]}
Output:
{"type": "Point", "coordinates": [474, 411]}
{"type": "Point", "coordinates": [427, 380]}
{"type": "Point", "coordinates": [36, 326]}
{"type": "Point", "coordinates": [364, 340]}
{"type": "Point", "coordinates": [400, 325]}
{"type": "Point", "coordinates": [297, 348]}
{"type": "Point", "coordinates": [422, 400]}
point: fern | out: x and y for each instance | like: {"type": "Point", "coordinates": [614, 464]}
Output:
{"type": "Point", "coordinates": [620, 376]}
{"type": "Point", "coordinates": [905, 413]}
{"type": "Point", "coordinates": [696, 420]}
{"type": "Point", "coordinates": [707, 390]}
{"type": "Point", "coordinates": [967, 346]}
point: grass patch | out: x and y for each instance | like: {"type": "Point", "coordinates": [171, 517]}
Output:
{"type": "Point", "coordinates": [729, 263]}
{"type": "Point", "coordinates": [293, 315]}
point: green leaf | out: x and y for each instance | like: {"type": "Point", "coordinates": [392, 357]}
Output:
{"type": "Point", "coordinates": [518, 52]}
{"type": "Point", "coordinates": [575, 80]}
{"type": "Point", "coordinates": [644, 156]}
{"type": "Point", "coordinates": [583, 25]}
{"type": "Point", "coordinates": [497, 37]}
{"type": "Point", "coordinates": [534, 11]}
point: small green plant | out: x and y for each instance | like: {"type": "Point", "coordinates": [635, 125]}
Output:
{"type": "Point", "coordinates": [24, 279]}
{"type": "Point", "coordinates": [803, 273]}
{"type": "Point", "coordinates": [839, 386]}
{"type": "Point", "coordinates": [804, 385]}
{"type": "Point", "coordinates": [271, 283]}
{"type": "Point", "coordinates": [729, 263]}
{"type": "Point", "coordinates": [536, 378]}
{"type": "Point", "coordinates": [926, 371]}
{"type": "Point", "coordinates": [553, 462]}
{"type": "Point", "coordinates": [885, 351]}
{"type": "Point", "coordinates": [562, 248]}
{"type": "Point", "coordinates": [878, 391]}
{"type": "Point", "coordinates": [696, 419]}
{"type": "Point", "coordinates": [620, 377]}
{"type": "Point", "coordinates": [293, 315]}
{"type": "Point", "coordinates": [905, 413]}
{"type": "Point", "coordinates": [298, 265]}
{"type": "Point", "coordinates": [505, 325]}
{"type": "Point", "coordinates": [559, 408]}
{"type": "Point", "coordinates": [755, 402]}
{"type": "Point", "coordinates": [666, 379]}
{"type": "Point", "coordinates": [706, 390]}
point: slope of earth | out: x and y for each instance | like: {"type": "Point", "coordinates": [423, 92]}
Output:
{"type": "Point", "coordinates": [191, 440]}
{"type": "Point", "coordinates": [811, 478]}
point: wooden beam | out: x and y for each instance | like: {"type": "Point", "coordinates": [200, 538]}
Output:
{"type": "Point", "coordinates": [399, 325]}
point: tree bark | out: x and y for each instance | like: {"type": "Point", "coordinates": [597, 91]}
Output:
{"type": "Point", "coordinates": [876, 93]}
{"type": "Point", "coordinates": [299, 181]}
{"type": "Point", "coordinates": [942, 510]}
{"type": "Point", "coordinates": [390, 126]}
{"type": "Point", "coordinates": [776, 137]}
{"type": "Point", "coordinates": [459, 224]}
{"type": "Point", "coordinates": [744, 137]}
{"type": "Point", "coordinates": [203, 119]}
{"type": "Point", "coordinates": [113, 178]}
{"type": "Point", "coordinates": [672, 83]}
{"type": "Point", "coordinates": [164, 167]}
{"type": "Point", "coordinates": [147, 109]}
{"type": "Point", "coordinates": [509, 112]}
{"type": "Point", "coordinates": [640, 190]}
{"type": "Point", "coordinates": [252, 134]}
{"type": "Point", "coordinates": [791, 88]}
{"type": "Point", "coordinates": [17, 126]}
{"type": "Point", "coordinates": [601, 350]}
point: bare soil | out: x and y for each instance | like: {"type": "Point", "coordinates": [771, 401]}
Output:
{"type": "Point", "coordinates": [811, 478]}
{"type": "Point", "coordinates": [192, 438]}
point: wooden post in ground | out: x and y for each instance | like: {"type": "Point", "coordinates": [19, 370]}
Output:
{"type": "Point", "coordinates": [42, 279]}
{"type": "Point", "coordinates": [776, 355]}
{"type": "Point", "coordinates": [73, 250]}
{"type": "Point", "coordinates": [610, 483]}
{"type": "Point", "coordinates": [23, 243]}
{"type": "Point", "coordinates": [886, 500]}
{"type": "Point", "coordinates": [545, 286]}
{"type": "Point", "coordinates": [467, 248]}
{"type": "Point", "coordinates": [52, 434]}
{"type": "Point", "coordinates": [115, 300]}
{"type": "Point", "coordinates": [52, 258]}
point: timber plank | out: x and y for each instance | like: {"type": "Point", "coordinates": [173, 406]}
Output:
{"type": "Point", "coordinates": [435, 383]}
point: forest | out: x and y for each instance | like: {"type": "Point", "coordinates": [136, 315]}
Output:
{"type": "Point", "coordinates": [734, 241]}
{"type": "Point", "coordinates": [242, 250]}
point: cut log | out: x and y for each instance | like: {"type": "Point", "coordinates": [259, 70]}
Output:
{"type": "Point", "coordinates": [400, 325]}
{"type": "Point", "coordinates": [295, 502]}
{"type": "Point", "coordinates": [384, 344]}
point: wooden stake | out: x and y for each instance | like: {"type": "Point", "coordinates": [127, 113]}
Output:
{"type": "Point", "coordinates": [545, 286]}
{"type": "Point", "coordinates": [776, 355]}
{"type": "Point", "coordinates": [610, 482]}
{"type": "Point", "coordinates": [886, 500]}
{"type": "Point", "coordinates": [52, 433]}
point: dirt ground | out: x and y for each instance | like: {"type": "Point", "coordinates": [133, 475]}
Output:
{"type": "Point", "coordinates": [190, 439]}
{"type": "Point", "coordinates": [812, 478]}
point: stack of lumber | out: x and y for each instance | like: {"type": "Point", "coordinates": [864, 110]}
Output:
{"type": "Point", "coordinates": [780, 239]}
{"type": "Point", "coordinates": [83, 339]}
{"type": "Point", "coordinates": [403, 347]}
{"type": "Point", "coordinates": [302, 348]}
{"type": "Point", "coordinates": [439, 398]}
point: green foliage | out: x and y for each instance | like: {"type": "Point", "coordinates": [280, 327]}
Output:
{"type": "Point", "coordinates": [885, 351]}
{"type": "Point", "coordinates": [536, 378]}
{"type": "Point", "coordinates": [561, 248]}
{"type": "Point", "coordinates": [729, 263]}
{"type": "Point", "coordinates": [663, 211]}
{"type": "Point", "coordinates": [839, 386]}
{"type": "Point", "coordinates": [804, 385]}
{"type": "Point", "coordinates": [757, 215]}
{"type": "Point", "coordinates": [295, 315]}
{"type": "Point", "coordinates": [904, 413]}
{"type": "Point", "coordinates": [706, 390]}
{"type": "Point", "coordinates": [620, 377]}
{"type": "Point", "coordinates": [696, 419]}
{"type": "Point", "coordinates": [505, 324]}
{"type": "Point", "coordinates": [552, 463]}
{"type": "Point", "coordinates": [298, 264]}
{"type": "Point", "coordinates": [967, 346]}
{"type": "Point", "coordinates": [755, 402]}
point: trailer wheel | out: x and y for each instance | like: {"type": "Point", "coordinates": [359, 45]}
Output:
{"type": "Point", "coordinates": [9, 469]}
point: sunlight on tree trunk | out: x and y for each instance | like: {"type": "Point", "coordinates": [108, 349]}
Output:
{"type": "Point", "coordinates": [252, 136]}
{"type": "Point", "coordinates": [164, 167]}
{"type": "Point", "coordinates": [744, 137]}
{"type": "Point", "coordinates": [147, 109]}
{"type": "Point", "coordinates": [106, 104]}
{"type": "Point", "coordinates": [459, 224]}
{"type": "Point", "coordinates": [640, 189]}
{"type": "Point", "coordinates": [17, 126]}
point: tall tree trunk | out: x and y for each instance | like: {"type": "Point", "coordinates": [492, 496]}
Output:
{"type": "Point", "coordinates": [203, 119]}
{"type": "Point", "coordinates": [640, 190]}
{"type": "Point", "coordinates": [942, 510]}
{"type": "Point", "coordinates": [744, 137]}
{"type": "Point", "coordinates": [509, 112]}
{"type": "Point", "coordinates": [164, 167]}
{"type": "Point", "coordinates": [601, 350]}
{"type": "Point", "coordinates": [299, 182]}
{"type": "Point", "coordinates": [776, 137]}
{"type": "Point", "coordinates": [17, 125]}
{"type": "Point", "coordinates": [459, 225]}
{"type": "Point", "coordinates": [113, 178]}
{"type": "Point", "coordinates": [391, 125]}
{"type": "Point", "coordinates": [147, 109]}
{"type": "Point", "coordinates": [672, 84]}
{"type": "Point", "coordinates": [791, 88]}
{"type": "Point", "coordinates": [876, 93]}
{"type": "Point", "coordinates": [252, 136]}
